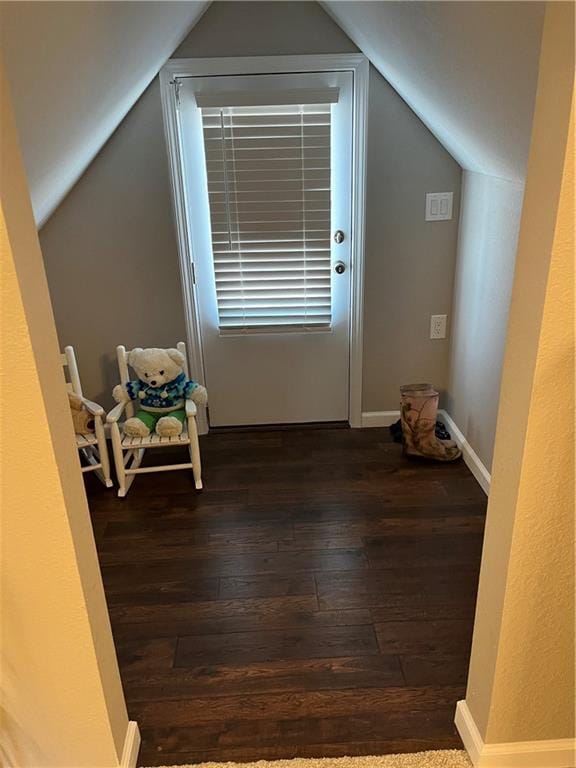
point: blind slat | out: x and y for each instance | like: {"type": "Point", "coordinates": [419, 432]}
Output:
{"type": "Point", "coordinates": [278, 285]}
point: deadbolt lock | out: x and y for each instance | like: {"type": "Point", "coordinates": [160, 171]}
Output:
{"type": "Point", "coordinates": [339, 236]}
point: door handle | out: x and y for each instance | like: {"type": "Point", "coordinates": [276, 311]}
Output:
{"type": "Point", "coordinates": [339, 267]}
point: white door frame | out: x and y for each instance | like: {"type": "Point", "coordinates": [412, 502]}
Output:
{"type": "Point", "coordinates": [175, 69]}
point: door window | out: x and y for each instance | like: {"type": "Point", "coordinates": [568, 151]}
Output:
{"type": "Point", "coordinates": [268, 174]}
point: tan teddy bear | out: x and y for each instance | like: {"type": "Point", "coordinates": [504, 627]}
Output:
{"type": "Point", "coordinates": [82, 420]}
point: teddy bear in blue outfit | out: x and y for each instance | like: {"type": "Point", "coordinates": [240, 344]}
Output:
{"type": "Point", "coordinates": [161, 389]}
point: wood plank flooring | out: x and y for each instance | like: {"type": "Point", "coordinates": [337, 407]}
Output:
{"type": "Point", "coordinates": [316, 599]}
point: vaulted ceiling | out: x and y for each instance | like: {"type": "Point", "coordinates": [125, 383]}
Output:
{"type": "Point", "coordinates": [467, 69]}
{"type": "Point", "coordinates": [75, 70]}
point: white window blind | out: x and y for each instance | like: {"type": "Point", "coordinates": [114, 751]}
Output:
{"type": "Point", "coordinates": [268, 171]}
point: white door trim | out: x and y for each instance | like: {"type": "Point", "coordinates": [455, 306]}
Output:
{"type": "Point", "coordinates": [181, 68]}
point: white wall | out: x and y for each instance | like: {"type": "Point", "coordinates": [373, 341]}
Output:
{"type": "Point", "coordinates": [468, 69]}
{"type": "Point", "coordinates": [76, 68]}
{"type": "Point", "coordinates": [488, 235]}
{"type": "Point", "coordinates": [116, 224]}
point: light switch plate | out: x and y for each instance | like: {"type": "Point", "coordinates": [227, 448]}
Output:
{"type": "Point", "coordinates": [439, 206]}
{"type": "Point", "coordinates": [438, 326]}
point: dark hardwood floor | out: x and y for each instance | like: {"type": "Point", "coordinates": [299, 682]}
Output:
{"type": "Point", "coordinates": [316, 599]}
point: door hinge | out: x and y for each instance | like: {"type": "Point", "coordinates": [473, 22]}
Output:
{"type": "Point", "coordinates": [193, 273]}
{"type": "Point", "coordinates": [177, 85]}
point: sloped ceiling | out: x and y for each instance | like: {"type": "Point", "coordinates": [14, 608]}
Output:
{"type": "Point", "coordinates": [75, 70]}
{"type": "Point", "coordinates": [467, 69]}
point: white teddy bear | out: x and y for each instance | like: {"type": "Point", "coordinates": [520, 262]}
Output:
{"type": "Point", "coordinates": [161, 389]}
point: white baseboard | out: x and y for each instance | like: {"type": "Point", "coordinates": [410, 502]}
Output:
{"type": "Point", "coordinates": [470, 457]}
{"type": "Point", "coordinates": [379, 418]}
{"type": "Point", "coordinates": [131, 746]}
{"type": "Point", "coordinates": [385, 418]}
{"type": "Point", "coordinates": [557, 753]}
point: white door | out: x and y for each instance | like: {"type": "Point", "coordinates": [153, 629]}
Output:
{"type": "Point", "coordinates": [267, 174]}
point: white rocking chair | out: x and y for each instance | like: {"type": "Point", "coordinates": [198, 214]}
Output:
{"type": "Point", "coordinates": [129, 451]}
{"type": "Point", "coordinates": [92, 446]}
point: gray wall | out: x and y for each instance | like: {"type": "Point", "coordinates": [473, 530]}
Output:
{"type": "Point", "coordinates": [489, 226]}
{"type": "Point", "coordinates": [114, 234]}
{"type": "Point", "coordinates": [264, 29]}
{"type": "Point", "coordinates": [110, 252]}
{"type": "Point", "coordinates": [409, 262]}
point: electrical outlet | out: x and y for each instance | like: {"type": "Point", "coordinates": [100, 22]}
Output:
{"type": "Point", "coordinates": [438, 326]}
